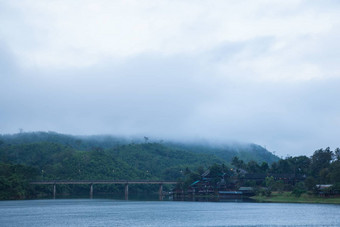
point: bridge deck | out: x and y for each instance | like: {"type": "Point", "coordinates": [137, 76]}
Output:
{"type": "Point", "coordinates": [102, 182]}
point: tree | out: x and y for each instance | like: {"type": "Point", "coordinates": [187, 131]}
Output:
{"type": "Point", "coordinates": [270, 182]}
{"type": "Point", "coordinates": [284, 166]}
{"type": "Point", "coordinates": [237, 163]}
{"type": "Point", "coordinates": [146, 139]}
{"type": "Point", "coordinates": [253, 167]}
{"type": "Point", "coordinates": [310, 183]}
{"type": "Point", "coordinates": [301, 164]}
{"type": "Point", "coordinates": [200, 170]}
{"type": "Point", "coordinates": [321, 159]}
{"type": "Point", "coordinates": [335, 172]}
{"type": "Point", "coordinates": [216, 173]}
{"type": "Point", "coordinates": [324, 176]}
{"type": "Point", "coordinates": [337, 154]}
{"type": "Point", "coordinates": [264, 167]}
{"type": "Point", "coordinates": [187, 171]}
{"type": "Point", "coordinates": [299, 189]}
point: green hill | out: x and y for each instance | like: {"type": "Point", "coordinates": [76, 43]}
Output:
{"type": "Point", "coordinates": [132, 161]}
{"type": "Point", "coordinates": [51, 156]}
{"type": "Point", "coordinates": [244, 151]}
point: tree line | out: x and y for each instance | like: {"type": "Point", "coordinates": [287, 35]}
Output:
{"type": "Point", "coordinates": [50, 156]}
{"type": "Point", "coordinates": [323, 167]}
{"type": "Point", "coordinates": [304, 173]}
{"type": "Point", "coordinates": [22, 163]}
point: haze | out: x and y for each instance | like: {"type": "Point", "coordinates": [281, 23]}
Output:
{"type": "Point", "coordinates": [265, 72]}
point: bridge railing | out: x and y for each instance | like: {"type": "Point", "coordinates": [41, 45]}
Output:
{"type": "Point", "coordinates": [92, 182]}
{"type": "Point", "coordinates": [103, 182]}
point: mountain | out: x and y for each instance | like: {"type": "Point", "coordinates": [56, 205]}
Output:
{"type": "Point", "coordinates": [244, 151]}
{"type": "Point", "coordinates": [51, 156]}
{"type": "Point", "coordinates": [59, 156]}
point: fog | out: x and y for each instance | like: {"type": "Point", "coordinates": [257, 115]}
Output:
{"type": "Point", "coordinates": [252, 72]}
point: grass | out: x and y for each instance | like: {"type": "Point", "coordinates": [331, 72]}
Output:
{"type": "Point", "coordinates": [287, 197]}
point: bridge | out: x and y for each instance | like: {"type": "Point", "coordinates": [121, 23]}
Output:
{"type": "Point", "coordinates": [92, 182]}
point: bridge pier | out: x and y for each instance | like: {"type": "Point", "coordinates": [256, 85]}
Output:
{"type": "Point", "coordinates": [54, 191]}
{"type": "Point", "coordinates": [54, 183]}
{"type": "Point", "coordinates": [91, 191]}
{"type": "Point", "coordinates": [160, 192]}
{"type": "Point", "coordinates": [126, 191]}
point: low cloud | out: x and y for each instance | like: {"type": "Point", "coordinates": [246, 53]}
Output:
{"type": "Point", "coordinates": [266, 73]}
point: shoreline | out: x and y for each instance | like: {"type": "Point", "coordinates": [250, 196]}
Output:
{"type": "Point", "coordinates": [287, 197]}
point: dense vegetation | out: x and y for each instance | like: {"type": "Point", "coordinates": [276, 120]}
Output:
{"type": "Point", "coordinates": [297, 175]}
{"type": "Point", "coordinates": [50, 156]}
{"type": "Point", "coordinates": [14, 181]}
{"type": "Point", "coordinates": [245, 152]}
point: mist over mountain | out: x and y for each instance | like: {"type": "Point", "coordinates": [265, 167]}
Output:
{"type": "Point", "coordinates": [224, 151]}
{"type": "Point", "coordinates": [50, 156]}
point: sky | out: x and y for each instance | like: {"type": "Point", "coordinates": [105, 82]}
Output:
{"type": "Point", "coordinates": [257, 71]}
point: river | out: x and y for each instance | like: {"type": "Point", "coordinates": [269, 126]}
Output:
{"type": "Point", "coordinates": [110, 212]}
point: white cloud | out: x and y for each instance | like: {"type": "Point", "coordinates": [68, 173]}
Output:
{"type": "Point", "coordinates": [83, 33]}
{"type": "Point", "coordinates": [259, 71]}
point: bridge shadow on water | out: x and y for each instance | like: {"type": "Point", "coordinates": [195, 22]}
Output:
{"type": "Point", "coordinates": [147, 197]}
{"type": "Point", "coordinates": [111, 196]}
{"type": "Point", "coordinates": [215, 199]}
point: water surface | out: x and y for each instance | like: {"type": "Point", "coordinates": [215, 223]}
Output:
{"type": "Point", "coordinates": [108, 212]}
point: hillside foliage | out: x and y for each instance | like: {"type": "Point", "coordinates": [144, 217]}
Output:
{"type": "Point", "coordinates": [26, 157]}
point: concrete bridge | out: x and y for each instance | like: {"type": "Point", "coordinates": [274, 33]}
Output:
{"type": "Point", "coordinates": [92, 182]}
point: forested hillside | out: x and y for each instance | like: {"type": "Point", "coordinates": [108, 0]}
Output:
{"type": "Point", "coordinates": [133, 161]}
{"type": "Point", "coordinates": [246, 152]}
{"type": "Point", "coordinates": [51, 156]}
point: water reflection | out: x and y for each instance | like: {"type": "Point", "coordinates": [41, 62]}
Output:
{"type": "Point", "coordinates": [213, 199]}
{"type": "Point", "coordinates": [110, 212]}
{"type": "Point", "coordinates": [152, 197]}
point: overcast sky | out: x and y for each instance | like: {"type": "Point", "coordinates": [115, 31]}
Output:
{"type": "Point", "coordinates": [260, 71]}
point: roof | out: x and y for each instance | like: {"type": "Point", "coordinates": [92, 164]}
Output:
{"type": "Point", "coordinates": [194, 183]}
{"type": "Point", "coordinates": [323, 186]}
{"type": "Point", "coordinates": [230, 192]}
{"type": "Point", "coordinates": [246, 189]}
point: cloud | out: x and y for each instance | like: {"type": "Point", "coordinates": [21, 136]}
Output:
{"type": "Point", "coordinates": [82, 33]}
{"type": "Point", "coordinates": [253, 71]}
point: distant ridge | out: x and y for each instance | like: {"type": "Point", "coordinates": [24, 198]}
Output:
{"type": "Point", "coordinates": [245, 151]}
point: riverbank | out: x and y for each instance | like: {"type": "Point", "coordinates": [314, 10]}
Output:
{"type": "Point", "coordinates": [287, 197]}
